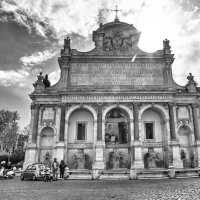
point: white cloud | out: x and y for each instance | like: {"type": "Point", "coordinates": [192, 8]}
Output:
{"type": "Point", "coordinates": [54, 77]}
{"type": "Point", "coordinates": [179, 21]}
{"type": "Point", "coordinates": [11, 77]}
{"type": "Point", "coordinates": [37, 58]}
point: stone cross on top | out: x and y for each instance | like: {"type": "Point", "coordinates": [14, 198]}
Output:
{"type": "Point", "coordinates": [116, 10]}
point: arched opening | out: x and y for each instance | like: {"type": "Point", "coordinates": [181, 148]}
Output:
{"type": "Point", "coordinates": [117, 139]}
{"type": "Point", "coordinates": [80, 139]}
{"type": "Point", "coordinates": [186, 142]}
{"type": "Point", "coordinates": [117, 127]}
{"type": "Point", "coordinates": [154, 136]}
{"type": "Point", "coordinates": [46, 145]}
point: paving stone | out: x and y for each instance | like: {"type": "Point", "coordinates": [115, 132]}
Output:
{"type": "Point", "coordinates": [170, 189]}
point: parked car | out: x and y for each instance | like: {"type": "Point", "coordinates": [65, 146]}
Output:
{"type": "Point", "coordinates": [34, 172]}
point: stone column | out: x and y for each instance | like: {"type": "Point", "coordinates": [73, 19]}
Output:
{"type": "Point", "coordinates": [99, 122]}
{"type": "Point", "coordinates": [35, 123]}
{"type": "Point", "coordinates": [136, 121]}
{"type": "Point", "coordinates": [177, 162]}
{"type": "Point", "coordinates": [62, 123]}
{"type": "Point", "coordinates": [196, 131]}
{"type": "Point", "coordinates": [31, 151]}
{"type": "Point", "coordinates": [66, 139]}
{"type": "Point", "coordinates": [136, 150]}
{"type": "Point", "coordinates": [195, 122]}
{"type": "Point", "coordinates": [98, 141]}
{"type": "Point", "coordinates": [59, 147]}
{"type": "Point", "coordinates": [172, 121]}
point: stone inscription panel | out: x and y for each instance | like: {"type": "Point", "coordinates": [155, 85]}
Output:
{"type": "Point", "coordinates": [116, 74]}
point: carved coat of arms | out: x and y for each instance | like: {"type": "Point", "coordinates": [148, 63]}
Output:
{"type": "Point", "coordinates": [117, 43]}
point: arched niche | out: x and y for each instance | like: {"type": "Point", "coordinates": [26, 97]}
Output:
{"type": "Point", "coordinates": [153, 130]}
{"type": "Point", "coordinates": [186, 142]}
{"type": "Point", "coordinates": [46, 144]}
{"type": "Point", "coordinates": [81, 126]}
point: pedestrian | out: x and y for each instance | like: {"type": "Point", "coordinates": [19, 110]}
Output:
{"type": "Point", "coordinates": [62, 168]}
{"type": "Point", "coordinates": [55, 166]}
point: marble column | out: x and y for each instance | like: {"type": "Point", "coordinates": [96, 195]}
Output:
{"type": "Point", "coordinates": [136, 121]}
{"type": "Point", "coordinates": [98, 143]}
{"type": "Point", "coordinates": [175, 146]}
{"type": "Point", "coordinates": [195, 122]}
{"type": "Point", "coordinates": [136, 150]}
{"type": "Point", "coordinates": [35, 123]}
{"type": "Point", "coordinates": [32, 150]}
{"type": "Point", "coordinates": [99, 122]}
{"type": "Point", "coordinates": [62, 123]}
{"type": "Point", "coordinates": [172, 121]}
{"type": "Point", "coordinates": [196, 131]}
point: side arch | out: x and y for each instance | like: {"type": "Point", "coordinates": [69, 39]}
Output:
{"type": "Point", "coordinates": [73, 108]}
{"type": "Point", "coordinates": [128, 110]}
{"type": "Point", "coordinates": [157, 107]}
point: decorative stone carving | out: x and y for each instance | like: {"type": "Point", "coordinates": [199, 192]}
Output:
{"type": "Point", "coordinates": [39, 85]}
{"type": "Point", "coordinates": [47, 159]}
{"type": "Point", "coordinates": [192, 84]}
{"type": "Point", "coordinates": [116, 159]}
{"type": "Point", "coordinates": [183, 157]}
{"type": "Point", "coordinates": [152, 158]}
{"type": "Point", "coordinates": [80, 159]}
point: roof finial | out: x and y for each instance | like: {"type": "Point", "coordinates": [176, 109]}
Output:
{"type": "Point", "coordinates": [116, 10]}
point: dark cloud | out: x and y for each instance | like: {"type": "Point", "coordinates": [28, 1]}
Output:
{"type": "Point", "coordinates": [16, 42]}
{"type": "Point", "coordinates": [13, 98]}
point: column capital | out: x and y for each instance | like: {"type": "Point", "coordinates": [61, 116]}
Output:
{"type": "Point", "coordinates": [195, 105]}
{"type": "Point", "coordinates": [34, 106]}
{"type": "Point", "coordinates": [136, 104]}
{"type": "Point", "coordinates": [60, 105]}
{"type": "Point", "coordinates": [172, 103]}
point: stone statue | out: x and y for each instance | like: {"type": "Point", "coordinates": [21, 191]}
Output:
{"type": "Point", "coordinates": [166, 44]}
{"type": "Point", "coordinates": [46, 82]}
{"type": "Point", "coordinates": [152, 158]}
{"type": "Point", "coordinates": [116, 157]}
{"type": "Point", "coordinates": [47, 160]}
{"type": "Point", "coordinates": [170, 158]}
{"type": "Point", "coordinates": [80, 159]}
{"type": "Point", "coordinates": [67, 42]}
{"type": "Point", "coordinates": [183, 154]}
{"type": "Point", "coordinates": [183, 158]}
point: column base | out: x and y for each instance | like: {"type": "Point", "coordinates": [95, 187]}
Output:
{"type": "Point", "coordinates": [138, 161]}
{"type": "Point", "coordinates": [30, 155]}
{"type": "Point", "coordinates": [59, 151]}
{"type": "Point", "coordinates": [99, 156]}
{"type": "Point", "coordinates": [133, 173]}
{"type": "Point", "coordinates": [177, 162]}
{"type": "Point", "coordinates": [197, 148]}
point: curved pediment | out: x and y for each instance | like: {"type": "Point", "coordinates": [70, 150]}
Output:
{"type": "Point", "coordinates": [114, 38]}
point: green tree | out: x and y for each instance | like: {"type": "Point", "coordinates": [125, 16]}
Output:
{"type": "Point", "coordinates": [8, 129]}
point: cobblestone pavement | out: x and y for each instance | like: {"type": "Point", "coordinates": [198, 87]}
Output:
{"type": "Point", "coordinates": [100, 190]}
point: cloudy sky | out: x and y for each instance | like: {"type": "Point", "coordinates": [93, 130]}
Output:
{"type": "Point", "coordinates": [32, 33]}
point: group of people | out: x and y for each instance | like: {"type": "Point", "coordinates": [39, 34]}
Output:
{"type": "Point", "coordinates": [55, 167]}
{"type": "Point", "coordinates": [5, 167]}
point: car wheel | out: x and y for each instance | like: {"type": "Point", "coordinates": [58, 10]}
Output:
{"type": "Point", "coordinates": [34, 177]}
{"type": "Point", "coordinates": [22, 177]}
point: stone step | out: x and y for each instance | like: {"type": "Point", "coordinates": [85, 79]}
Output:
{"type": "Point", "coordinates": [79, 177]}
{"type": "Point", "coordinates": [114, 177]}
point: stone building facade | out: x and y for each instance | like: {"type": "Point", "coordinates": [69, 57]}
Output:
{"type": "Point", "coordinates": [115, 107]}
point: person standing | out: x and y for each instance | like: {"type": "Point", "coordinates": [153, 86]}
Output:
{"type": "Point", "coordinates": [55, 166]}
{"type": "Point", "coordinates": [62, 168]}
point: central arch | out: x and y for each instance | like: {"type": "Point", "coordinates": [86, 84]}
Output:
{"type": "Point", "coordinates": [116, 135]}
